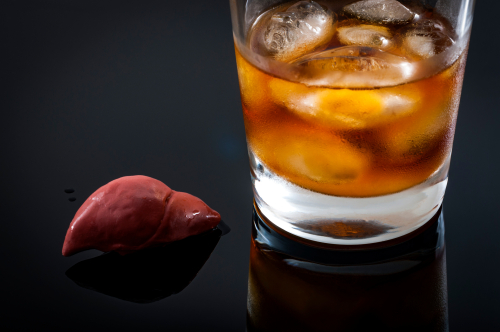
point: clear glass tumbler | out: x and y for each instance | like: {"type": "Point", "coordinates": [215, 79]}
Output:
{"type": "Point", "coordinates": [350, 110]}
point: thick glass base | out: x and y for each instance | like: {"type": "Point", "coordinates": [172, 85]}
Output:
{"type": "Point", "coordinates": [345, 220]}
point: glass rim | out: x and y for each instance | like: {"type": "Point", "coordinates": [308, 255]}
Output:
{"type": "Point", "coordinates": [394, 75]}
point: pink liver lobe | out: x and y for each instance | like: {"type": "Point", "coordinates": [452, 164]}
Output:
{"type": "Point", "coordinates": [136, 212]}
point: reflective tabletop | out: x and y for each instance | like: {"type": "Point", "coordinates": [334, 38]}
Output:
{"type": "Point", "coordinates": [96, 90]}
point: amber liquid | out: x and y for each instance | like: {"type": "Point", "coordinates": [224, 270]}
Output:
{"type": "Point", "coordinates": [346, 141]}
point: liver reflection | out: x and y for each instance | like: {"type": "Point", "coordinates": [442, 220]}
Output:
{"type": "Point", "coordinates": [296, 287]}
{"type": "Point", "coordinates": [148, 275]}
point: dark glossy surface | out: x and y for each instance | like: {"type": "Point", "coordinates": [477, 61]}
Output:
{"type": "Point", "coordinates": [148, 275]}
{"type": "Point", "coordinates": [95, 90]}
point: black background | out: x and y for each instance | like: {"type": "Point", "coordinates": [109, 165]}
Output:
{"type": "Point", "coordinates": [93, 90]}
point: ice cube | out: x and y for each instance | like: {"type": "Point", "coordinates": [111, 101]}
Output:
{"type": "Point", "coordinates": [365, 35]}
{"type": "Point", "coordinates": [345, 109]}
{"type": "Point", "coordinates": [427, 128]}
{"type": "Point", "coordinates": [353, 67]}
{"type": "Point", "coordinates": [398, 105]}
{"type": "Point", "coordinates": [302, 28]}
{"type": "Point", "coordinates": [348, 64]}
{"type": "Point", "coordinates": [419, 46]}
{"type": "Point", "coordinates": [379, 11]}
{"type": "Point", "coordinates": [313, 159]}
{"type": "Point", "coordinates": [345, 59]}
{"type": "Point", "coordinates": [424, 39]}
{"type": "Point", "coordinates": [409, 141]}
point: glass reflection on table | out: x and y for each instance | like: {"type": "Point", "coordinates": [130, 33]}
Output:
{"type": "Point", "coordinates": [299, 287]}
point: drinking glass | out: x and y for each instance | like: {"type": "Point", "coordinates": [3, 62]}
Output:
{"type": "Point", "coordinates": [350, 110]}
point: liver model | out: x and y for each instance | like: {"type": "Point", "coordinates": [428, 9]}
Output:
{"type": "Point", "coordinates": [136, 212]}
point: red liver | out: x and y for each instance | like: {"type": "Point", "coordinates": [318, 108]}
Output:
{"type": "Point", "coordinates": [136, 212]}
